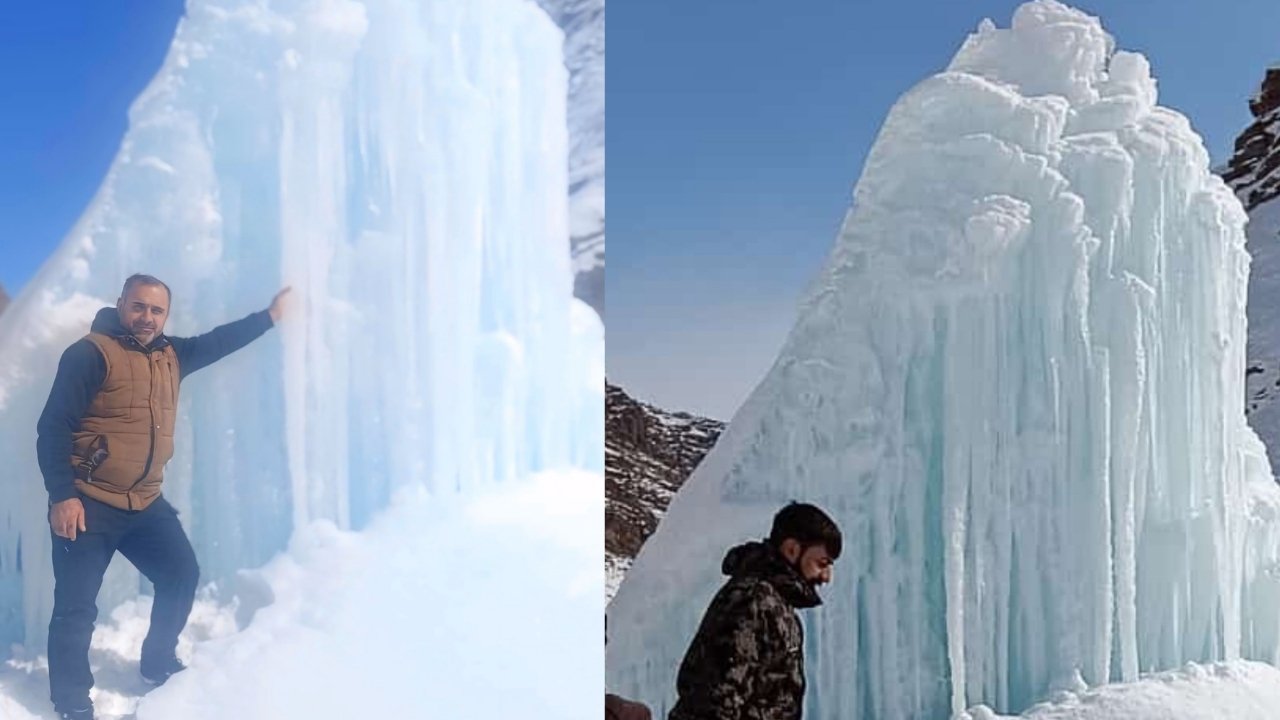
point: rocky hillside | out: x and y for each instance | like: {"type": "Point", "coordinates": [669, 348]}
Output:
{"type": "Point", "coordinates": [1254, 169]}
{"type": "Point", "coordinates": [649, 453]}
{"type": "Point", "coordinates": [1254, 174]}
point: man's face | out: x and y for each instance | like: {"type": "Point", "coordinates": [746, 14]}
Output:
{"type": "Point", "coordinates": [143, 311]}
{"type": "Point", "coordinates": [814, 563]}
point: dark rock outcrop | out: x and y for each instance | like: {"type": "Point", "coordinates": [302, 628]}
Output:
{"type": "Point", "coordinates": [649, 453]}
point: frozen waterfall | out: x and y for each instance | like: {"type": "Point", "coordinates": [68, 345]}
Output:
{"type": "Point", "coordinates": [1017, 385]}
{"type": "Point", "coordinates": [403, 165]}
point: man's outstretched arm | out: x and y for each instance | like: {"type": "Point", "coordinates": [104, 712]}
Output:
{"type": "Point", "coordinates": [204, 350]}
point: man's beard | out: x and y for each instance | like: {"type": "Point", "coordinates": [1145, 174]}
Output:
{"type": "Point", "coordinates": [813, 584]}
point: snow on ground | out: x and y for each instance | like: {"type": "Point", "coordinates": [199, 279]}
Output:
{"type": "Point", "coordinates": [116, 645]}
{"type": "Point", "coordinates": [615, 569]}
{"type": "Point", "coordinates": [1239, 690]}
{"type": "Point", "coordinates": [448, 607]}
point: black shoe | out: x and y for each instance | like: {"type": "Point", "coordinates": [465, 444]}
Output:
{"type": "Point", "coordinates": [157, 673]}
{"type": "Point", "coordinates": [82, 714]}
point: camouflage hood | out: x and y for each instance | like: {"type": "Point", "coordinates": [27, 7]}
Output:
{"type": "Point", "coordinates": [761, 560]}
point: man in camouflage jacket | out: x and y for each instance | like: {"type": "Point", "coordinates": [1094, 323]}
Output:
{"type": "Point", "coordinates": [746, 661]}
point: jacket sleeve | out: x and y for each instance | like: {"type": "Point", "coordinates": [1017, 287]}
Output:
{"type": "Point", "coordinates": [204, 350]}
{"type": "Point", "coordinates": [736, 653]}
{"type": "Point", "coordinates": [81, 372]}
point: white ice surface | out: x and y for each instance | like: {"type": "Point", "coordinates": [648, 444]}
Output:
{"type": "Point", "coordinates": [1239, 690]}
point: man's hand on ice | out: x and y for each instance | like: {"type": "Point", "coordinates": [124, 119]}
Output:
{"type": "Point", "coordinates": [278, 305]}
{"type": "Point", "coordinates": [66, 517]}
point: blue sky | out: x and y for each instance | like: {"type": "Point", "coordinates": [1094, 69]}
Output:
{"type": "Point", "coordinates": [68, 72]}
{"type": "Point", "coordinates": [738, 128]}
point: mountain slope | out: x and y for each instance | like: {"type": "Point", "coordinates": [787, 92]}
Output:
{"type": "Point", "coordinates": [1254, 174]}
{"type": "Point", "coordinates": [649, 453]}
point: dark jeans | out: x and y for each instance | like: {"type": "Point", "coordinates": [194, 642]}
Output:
{"type": "Point", "coordinates": [151, 539]}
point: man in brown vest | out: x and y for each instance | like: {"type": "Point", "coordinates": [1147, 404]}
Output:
{"type": "Point", "coordinates": [103, 440]}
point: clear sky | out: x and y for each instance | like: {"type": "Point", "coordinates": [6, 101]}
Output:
{"type": "Point", "coordinates": [68, 72]}
{"type": "Point", "coordinates": [737, 129]}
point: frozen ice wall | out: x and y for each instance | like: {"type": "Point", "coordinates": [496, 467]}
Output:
{"type": "Point", "coordinates": [1017, 386]}
{"type": "Point", "coordinates": [403, 165]}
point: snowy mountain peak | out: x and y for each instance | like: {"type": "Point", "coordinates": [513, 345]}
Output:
{"type": "Point", "coordinates": [1254, 174]}
{"type": "Point", "coordinates": [1254, 170]}
{"type": "Point", "coordinates": [583, 24]}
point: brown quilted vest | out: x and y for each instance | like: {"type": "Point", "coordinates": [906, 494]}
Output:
{"type": "Point", "coordinates": [135, 411]}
